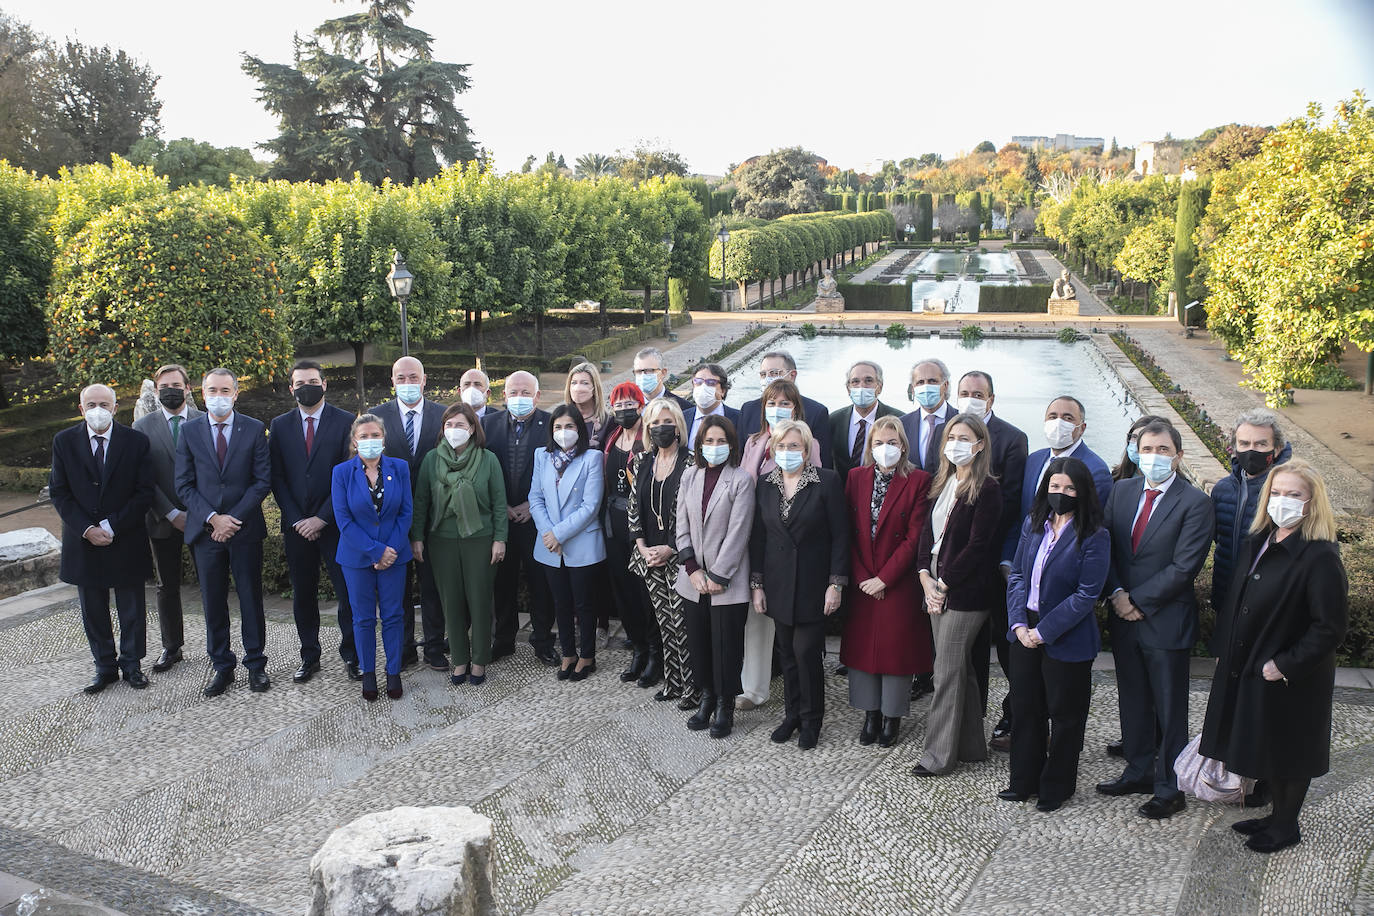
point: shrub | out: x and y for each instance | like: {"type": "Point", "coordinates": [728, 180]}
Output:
{"type": "Point", "coordinates": [808, 331]}
{"type": "Point", "coordinates": [1068, 336]}
{"type": "Point", "coordinates": [895, 331]}
{"type": "Point", "coordinates": [971, 333]}
{"type": "Point", "coordinates": [26, 251]}
{"type": "Point", "coordinates": [1030, 298]}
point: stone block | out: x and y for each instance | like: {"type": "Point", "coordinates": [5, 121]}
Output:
{"type": "Point", "coordinates": [409, 861]}
{"type": "Point", "coordinates": [1063, 306]}
{"type": "Point", "coordinates": [829, 305]}
{"type": "Point", "coordinates": [26, 543]}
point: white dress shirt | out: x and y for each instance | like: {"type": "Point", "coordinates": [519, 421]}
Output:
{"type": "Point", "coordinates": [305, 414]}
{"type": "Point", "coordinates": [854, 419]}
{"type": "Point", "coordinates": [1067, 453]}
{"type": "Point", "coordinates": [697, 417]}
{"type": "Point", "coordinates": [418, 408]}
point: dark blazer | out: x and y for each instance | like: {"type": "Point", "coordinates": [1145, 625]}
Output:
{"type": "Point", "coordinates": [1159, 576]}
{"type": "Point", "coordinates": [1069, 585]}
{"type": "Point", "coordinates": [83, 496]}
{"type": "Point", "coordinates": [1292, 610]}
{"type": "Point", "coordinates": [394, 424]}
{"type": "Point", "coordinates": [841, 459]}
{"type": "Point", "coordinates": [162, 454]}
{"type": "Point", "coordinates": [496, 427]}
{"type": "Point", "coordinates": [301, 483]}
{"type": "Point", "coordinates": [969, 552]}
{"type": "Point", "coordinates": [238, 489]}
{"type": "Point", "coordinates": [930, 461]}
{"type": "Point", "coordinates": [815, 416]}
{"type": "Point", "coordinates": [798, 558]}
{"type": "Point", "coordinates": [1102, 482]}
{"type": "Point", "coordinates": [690, 415]}
{"type": "Point", "coordinates": [1009, 447]}
{"type": "Point", "coordinates": [365, 533]}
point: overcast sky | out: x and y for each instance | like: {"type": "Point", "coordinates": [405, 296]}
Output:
{"type": "Point", "coordinates": [721, 81]}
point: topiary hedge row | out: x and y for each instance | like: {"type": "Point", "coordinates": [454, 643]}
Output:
{"type": "Point", "coordinates": [1032, 298]}
{"type": "Point", "coordinates": [874, 297]}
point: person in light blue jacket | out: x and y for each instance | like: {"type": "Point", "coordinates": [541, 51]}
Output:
{"type": "Point", "coordinates": [565, 505]}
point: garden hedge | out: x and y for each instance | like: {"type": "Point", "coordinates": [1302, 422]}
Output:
{"type": "Point", "coordinates": [875, 297]}
{"type": "Point", "coordinates": [1032, 298]}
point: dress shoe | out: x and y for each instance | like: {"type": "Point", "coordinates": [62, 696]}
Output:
{"type": "Point", "coordinates": [547, 656]}
{"type": "Point", "coordinates": [1048, 806]}
{"type": "Point", "coordinates": [166, 660]}
{"type": "Point", "coordinates": [370, 686]}
{"type": "Point", "coordinates": [922, 685]}
{"type": "Point", "coordinates": [1119, 787]}
{"type": "Point", "coordinates": [689, 701]}
{"type": "Point", "coordinates": [744, 704]}
{"type": "Point", "coordinates": [1116, 748]}
{"type": "Point", "coordinates": [1011, 795]}
{"type": "Point", "coordinates": [581, 674]}
{"type": "Point", "coordinates": [457, 679]}
{"type": "Point", "coordinates": [1002, 728]}
{"type": "Point", "coordinates": [1000, 743]}
{"type": "Point", "coordinates": [1156, 809]}
{"type": "Point", "coordinates": [667, 694]}
{"type": "Point", "coordinates": [136, 679]}
{"type": "Point", "coordinates": [785, 731]}
{"type": "Point", "coordinates": [479, 679]}
{"type": "Point", "coordinates": [501, 651]}
{"type": "Point", "coordinates": [810, 736]}
{"type": "Point", "coordinates": [873, 720]}
{"type": "Point", "coordinates": [219, 683]}
{"type": "Point", "coordinates": [100, 682]}
{"type": "Point", "coordinates": [258, 682]}
{"type": "Point", "coordinates": [636, 666]}
{"type": "Point", "coordinates": [724, 721]}
{"type": "Point", "coordinates": [892, 726]}
{"type": "Point", "coordinates": [393, 686]}
{"type": "Point", "coordinates": [305, 672]}
{"type": "Point", "coordinates": [702, 717]}
{"type": "Point", "coordinates": [1252, 826]}
{"type": "Point", "coordinates": [1270, 840]}
{"type": "Point", "coordinates": [652, 674]}
{"type": "Point", "coordinates": [920, 770]}
{"type": "Point", "coordinates": [565, 673]}
{"type": "Point", "coordinates": [354, 672]}
{"type": "Point", "coordinates": [436, 662]}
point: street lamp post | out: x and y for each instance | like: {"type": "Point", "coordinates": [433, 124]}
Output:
{"type": "Point", "coordinates": [667, 299]}
{"type": "Point", "coordinates": [400, 280]}
{"type": "Point", "coordinates": [724, 236]}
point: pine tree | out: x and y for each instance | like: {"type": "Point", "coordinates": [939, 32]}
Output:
{"type": "Point", "coordinates": [1032, 170]}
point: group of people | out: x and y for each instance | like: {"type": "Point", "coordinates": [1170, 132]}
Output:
{"type": "Point", "coordinates": [721, 536]}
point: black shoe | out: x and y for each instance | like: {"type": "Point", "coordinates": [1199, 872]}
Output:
{"type": "Point", "coordinates": [581, 674]}
{"type": "Point", "coordinates": [1259, 797]}
{"type": "Point", "coordinates": [841, 671]}
{"type": "Point", "coordinates": [166, 660]}
{"type": "Point", "coordinates": [1048, 806]}
{"type": "Point", "coordinates": [354, 672]}
{"type": "Point", "coordinates": [667, 694]}
{"type": "Point", "coordinates": [920, 770]}
{"type": "Point", "coordinates": [136, 679]}
{"type": "Point", "coordinates": [565, 673]}
{"type": "Point", "coordinates": [1116, 748]}
{"type": "Point", "coordinates": [100, 682]}
{"type": "Point", "coordinates": [479, 679]}
{"type": "Point", "coordinates": [724, 722]}
{"type": "Point", "coordinates": [370, 686]}
{"type": "Point", "coordinates": [437, 662]}
{"type": "Point", "coordinates": [785, 731]}
{"type": "Point", "coordinates": [501, 651]}
{"type": "Point", "coordinates": [305, 672]}
{"type": "Point", "coordinates": [1252, 826]}
{"type": "Point", "coordinates": [922, 685]}
{"type": "Point", "coordinates": [393, 686]}
{"type": "Point", "coordinates": [258, 682]}
{"type": "Point", "coordinates": [810, 736]}
{"type": "Point", "coordinates": [1269, 841]}
{"type": "Point", "coordinates": [1002, 729]}
{"type": "Point", "coordinates": [701, 719]}
{"type": "Point", "coordinates": [219, 683]}
{"type": "Point", "coordinates": [1011, 795]}
{"type": "Point", "coordinates": [891, 726]}
{"type": "Point", "coordinates": [873, 720]}
{"type": "Point", "coordinates": [638, 661]}
{"type": "Point", "coordinates": [456, 679]}
{"type": "Point", "coordinates": [1156, 809]}
{"type": "Point", "coordinates": [652, 674]}
{"type": "Point", "coordinates": [547, 656]}
{"type": "Point", "coordinates": [1119, 787]}
{"type": "Point", "coordinates": [1000, 743]}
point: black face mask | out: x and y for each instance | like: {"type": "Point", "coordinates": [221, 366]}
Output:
{"type": "Point", "coordinates": [1254, 462]}
{"type": "Point", "coordinates": [172, 398]}
{"type": "Point", "coordinates": [309, 395]}
{"type": "Point", "coordinates": [627, 417]}
{"type": "Point", "coordinates": [1062, 503]}
{"type": "Point", "coordinates": [663, 436]}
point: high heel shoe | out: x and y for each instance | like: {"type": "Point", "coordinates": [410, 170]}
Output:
{"type": "Point", "coordinates": [581, 674]}
{"type": "Point", "coordinates": [456, 679]}
{"type": "Point", "coordinates": [370, 686]}
{"type": "Point", "coordinates": [891, 726]}
{"type": "Point", "coordinates": [638, 662]}
{"type": "Point", "coordinates": [393, 686]}
{"type": "Point", "coordinates": [479, 679]}
{"type": "Point", "coordinates": [724, 722]}
{"type": "Point", "coordinates": [653, 673]}
{"type": "Point", "coordinates": [869, 733]}
{"type": "Point", "coordinates": [786, 730]}
{"type": "Point", "coordinates": [702, 717]}
{"type": "Point", "coordinates": [565, 673]}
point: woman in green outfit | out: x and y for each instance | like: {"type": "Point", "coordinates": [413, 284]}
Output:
{"type": "Point", "coordinates": [460, 519]}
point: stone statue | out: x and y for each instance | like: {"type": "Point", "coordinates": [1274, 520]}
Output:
{"type": "Point", "coordinates": [1063, 287]}
{"type": "Point", "coordinates": [828, 288]}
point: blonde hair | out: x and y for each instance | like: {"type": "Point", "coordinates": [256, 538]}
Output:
{"type": "Point", "coordinates": [650, 414]}
{"type": "Point", "coordinates": [600, 413]}
{"type": "Point", "coordinates": [903, 466]}
{"type": "Point", "coordinates": [363, 420]}
{"type": "Point", "coordinates": [787, 426]}
{"type": "Point", "coordinates": [1319, 522]}
{"type": "Point", "coordinates": [980, 469]}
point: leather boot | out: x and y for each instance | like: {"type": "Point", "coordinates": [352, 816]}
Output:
{"type": "Point", "coordinates": [724, 722]}
{"type": "Point", "coordinates": [891, 726]}
{"type": "Point", "coordinates": [638, 662]}
{"type": "Point", "coordinates": [653, 672]}
{"type": "Point", "coordinates": [869, 733]}
{"type": "Point", "coordinates": [702, 717]}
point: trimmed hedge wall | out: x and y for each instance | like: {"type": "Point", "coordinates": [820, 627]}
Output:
{"type": "Point", "coordinates": [875, 297]}
{"type": "Point", "coordinates": [1033, 298]}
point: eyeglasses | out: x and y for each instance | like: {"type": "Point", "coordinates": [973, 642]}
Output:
{"type": "Point", "coordinates": [708, 382]}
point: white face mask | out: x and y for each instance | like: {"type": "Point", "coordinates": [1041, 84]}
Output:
{"type": "Point", "coordinates": [219, 405]}
{"type": "Point", "coordinates": [886, 455]}
{"type": "Point", "coordinates": [475, 398]}
{"type": "Point", "coordinates": [565, 438]}
{"type": "Point", "coordinates": [958, 452]}
{"type": "Point", "coordinates": [1059, 433]}
{"type": "Point", "coordinates": [456, 436]}
{"type": "Point", "coordinates": [976, 406]}
{"type": "Point", "coordinates": [704, 396]}
{"type": "Point", "coordinates": [1285, 511]}
{"type": "Point", "coordinates": [98, 419]}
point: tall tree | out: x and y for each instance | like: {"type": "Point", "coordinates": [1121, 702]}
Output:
{"type": "Point", "coordinates": [596, 165]}
{"type": "Point", "coordinates": [644, 162]}
{"type": "Point", "coordinates": [187, 161]}
{"type": "Point", "coordinates": [19, 49]}
{"type": "Point", "coordinates": [784, 181]}
{"type": "Point", "coordinates": [365, 95]}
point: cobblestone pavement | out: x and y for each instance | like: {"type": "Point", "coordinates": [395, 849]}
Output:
{"type": "Point", "coordinates": [160, 801]}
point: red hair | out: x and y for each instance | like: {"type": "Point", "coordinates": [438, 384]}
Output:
{"type": "Point", "coordinates": [628, 390]}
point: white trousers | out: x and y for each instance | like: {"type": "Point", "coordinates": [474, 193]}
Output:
{"type": "Point", "coordinates": [757, 674]}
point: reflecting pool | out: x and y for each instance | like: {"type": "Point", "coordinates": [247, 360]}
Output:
{"type": "Point", "coordinates": [956, 262]}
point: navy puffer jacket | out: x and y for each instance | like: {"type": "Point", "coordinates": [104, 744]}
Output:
{"type": "Point", "coordinates": [1235, 500]}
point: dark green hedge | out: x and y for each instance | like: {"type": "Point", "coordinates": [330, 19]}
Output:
{"type": "Point", "coordinates": [875, 297]}
{"type": "Point", "coordinates": [1033, 298]}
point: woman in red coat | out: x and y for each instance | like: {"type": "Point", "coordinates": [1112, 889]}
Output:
{"type": "Point", "coordinates": [887, 635]}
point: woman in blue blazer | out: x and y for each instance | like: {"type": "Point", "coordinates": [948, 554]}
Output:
{"type": "Point", "coordinates": [372, 506]}
{"type": "Point", "coordinates": [565, 504]}
{"type": "Point", "coordinates": [1059, 570]}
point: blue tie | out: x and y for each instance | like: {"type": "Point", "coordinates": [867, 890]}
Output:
{"type": "Point", "coordinates": [410, 430]}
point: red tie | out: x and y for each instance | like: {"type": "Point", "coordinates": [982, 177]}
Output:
{"type": "Point", "coordinates": [1143, 519]}
{"type": "Point", "coordinates": [309, 435]}
{"type": "Point", "coordinates": [221, 444]}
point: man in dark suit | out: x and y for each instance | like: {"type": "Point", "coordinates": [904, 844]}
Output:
{"type": "Point", "coordinates": [512, 436]}
{"type": "Point", "coordinates": [849, 426]}
{"type": "Point", "coordinates": [305, 444]}
{"type": "Point", "coordinates": [651, 375]}
{"type": "Point", "coordinates": [1161, 528]}
{"type": "Point", "coordinates": [779, 364]}
{"type": "Point", "coordinates": [413, 428]}
{"type": "Point", "coordinates": [167, 517]}
{"type": "Point", "coordinates": [710, 385]}
{"type": "Point", "coordinates": [929, 388]}
{"type": "Point", "coordinates": [101, 485]}
{"type": "Point", "coordinates": [224, 472]}
{"type": "Point", "coordinates": [474, 389]}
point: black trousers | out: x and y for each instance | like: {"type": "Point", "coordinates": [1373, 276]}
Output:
{"type": "Point", "coordinates": [133, 626]}
{"type": "Point", "coordinates": [213, 564]}
{"type": "Point", "coordinates": [519, 565]}
{"type": "Point", "coordinates": [1152, 691]}
{"type": "Point", "coordinates": [800, 649]}
{"type": "Point", "coordinates": [1049, 704]}
{"type": "Point", "coordinates": [715, 645]}
{"type": "Point", "coordinates": [996, 624]}
{"type": "Point", "coordinates": [167, 562]}
{"type": "Point", "coordinates": [419, 577]}
{"type": "Point", "coordinates": [631, 598]}
{"type": "Point", "coordinates": [303, 560]}
{"type": "Point", "coordinates": [572, 588]}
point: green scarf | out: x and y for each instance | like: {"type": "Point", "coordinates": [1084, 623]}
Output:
{"type": "Point", "coordinates": [452, 490]}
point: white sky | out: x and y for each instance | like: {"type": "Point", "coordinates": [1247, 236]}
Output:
{"type": "Point", "coordinates": [721, 81]}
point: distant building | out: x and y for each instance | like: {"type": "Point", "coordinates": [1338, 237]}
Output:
{"type": "Point", "coordinates": [1058, 143]}
{"type": "Point", "coordinates": [1159, 157]}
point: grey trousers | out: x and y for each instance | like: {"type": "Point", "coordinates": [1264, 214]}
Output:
{"type": "Point", "coordinates": [954, 727]}
{"type": "Point", "coordinates": [890, 693]}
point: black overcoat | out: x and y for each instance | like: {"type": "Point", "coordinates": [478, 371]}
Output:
{"type": "Point", "coordinates": [800, 556]}
{"type": "Point", "coordinates": [1292, 610]}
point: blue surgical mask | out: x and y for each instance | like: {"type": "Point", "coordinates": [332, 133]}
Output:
{"type": "Point", "coordinates": [369, 449]}
{"type": "Point", "coordinates": [1156, 468]}
{"type": "Point", "coordinates": [647, 382]}
{"type": "Point", "coordinates": [928, 396]}
{"type": "Point", "coordinates": [715, 454]}
{"type": "Point", "coordinates": [519, 405]}
{"type": "Point", "coordinates": [775, 415]}
{"type": "Point", "coordinates": [219, 405]}
{"type": "Point", "coordinates": [788, 461]}
{"type": "Point", "coordinates": [1133, 453]}
{"type": "Point", "coordinates": [409, 394]}
{"type": "Point", "coordinates": [862, 397]}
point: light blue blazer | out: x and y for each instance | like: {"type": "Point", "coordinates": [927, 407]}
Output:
{"type": "Point", "coordinates": [570, 508]}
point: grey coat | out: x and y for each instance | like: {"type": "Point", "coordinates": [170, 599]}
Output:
{"type": "Point", "coordinates": [717, 539]}
{"type": "Point", "coordinates": [162, 455]}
